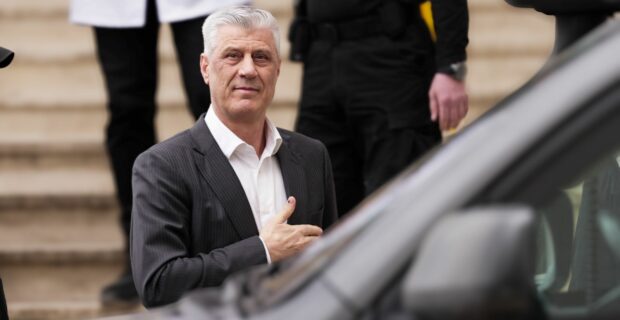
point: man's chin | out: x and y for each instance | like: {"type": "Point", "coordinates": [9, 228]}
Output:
{"type": "Point", "coordinates": [248, 110]}
{"type": "Point", "coordinates": [246, 105]}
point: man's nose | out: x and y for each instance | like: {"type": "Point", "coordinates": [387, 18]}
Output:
{"type": "Point", "coordinates": [247, 68]}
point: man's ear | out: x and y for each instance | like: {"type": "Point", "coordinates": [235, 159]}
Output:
{"type": "Point", "coordinates": [204, 63]}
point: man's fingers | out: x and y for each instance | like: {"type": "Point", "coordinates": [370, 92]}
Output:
{"type": "Point", "coordinates": [287, 211]}
{"type": "Point", "coordinates": [449, 112]}
{"type": "Point", "coordinates": [456, 115]}
{"type": "Point", "coordinates": [307, 241]}
{"type": "Point", "coordinates": [444, 116]}
{"type": "Point", "coordinates": [464, 108]}
{"type": "Point", "coordinates": [461, 111]}
{"type": "Point", "coordinates": [309, 230]}
{"type": "Point", "coordinates": [433, 106]}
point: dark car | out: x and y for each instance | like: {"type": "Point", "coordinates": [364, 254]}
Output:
{"type": "Point", "coordinates": [517, 217]}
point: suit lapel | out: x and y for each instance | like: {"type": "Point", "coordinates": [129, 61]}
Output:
{"type": "Point", "coordinates": [219, 174]}
{"type": "Point", "coordinates": [294, 179]}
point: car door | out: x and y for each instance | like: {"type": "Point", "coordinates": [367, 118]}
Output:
{"type": "Point", "coordinates": [572, 178]}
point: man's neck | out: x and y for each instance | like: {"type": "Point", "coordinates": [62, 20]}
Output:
{"type": "Point", "coordinates": [252, 132]}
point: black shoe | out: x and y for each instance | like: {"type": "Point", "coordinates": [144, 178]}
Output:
{"type": "Point", "coordinates": [120, 294]}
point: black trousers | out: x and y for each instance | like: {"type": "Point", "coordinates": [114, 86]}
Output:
{"type": "Point", "coordinates": [4, 313]}
{"type": "Point", "coordinates": [128, 58]}
{"type": "Point", "coordinates": [367, 101]}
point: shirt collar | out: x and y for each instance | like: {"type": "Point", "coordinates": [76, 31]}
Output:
{"type": "Point", "coordinates": [273, 139]}
{"type": "Point", "coordinates": [229, 141]}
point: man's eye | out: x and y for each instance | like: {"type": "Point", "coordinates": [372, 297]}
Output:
{"type": "Point", "coordinates": [233, 55]}
{"type": "Point", "coordinates": [261, 57]}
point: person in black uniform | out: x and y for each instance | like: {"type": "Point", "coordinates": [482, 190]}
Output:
{"type": "Point", "coordinates": [377, 88]}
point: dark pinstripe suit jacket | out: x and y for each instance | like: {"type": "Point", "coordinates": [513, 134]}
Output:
{"type": "Point", "coordinates": [192, 224]}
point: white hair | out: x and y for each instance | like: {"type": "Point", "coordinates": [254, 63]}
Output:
{"type": "Point", "coordinates": [245, 17]}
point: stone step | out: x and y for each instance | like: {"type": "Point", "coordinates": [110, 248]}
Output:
{"type": "Point", "coordinates": [27, 35]}
{"type": "Point", "coordinates": [512, 32]}
{"type": "Point", "coordinates": [40, 86]}
{"type": "Point", "coordinates": [32, 8]}
{"type": "Point", "coordinates": [53, 152]}
{"type": "Point", "coordinates": [73, 138]}
{"type": "Point", "coordinates": [67, 137]}
{"type": "Point", "coordinates": [493, 78]}
{"type": "Point", "coordinates": [58, 236]}
{"type": "Point", "coordinates": [65, 310]}
{"type": "Point", "coordinates": [495, 28]}
{"type": "Point", "coordinates": [77, 42]}
{"type": "Point", "coordinates": [57, 188]}
{"type": "Point", "coordinates": [59, 291]}
{"type": "Point", "coordinates": [34, 150]}
{"type": "Point", "coordinates": [64, 135]}
{"type": "Point", "coordinates": [82, 87]}
{"type": "Point", "coordinates": [55, 263]}
{"type": "Point", "coordinates": [42, 253]}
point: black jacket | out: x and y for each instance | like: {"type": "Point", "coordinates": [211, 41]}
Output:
{"type": "Point", "coordinates": [451, 19]}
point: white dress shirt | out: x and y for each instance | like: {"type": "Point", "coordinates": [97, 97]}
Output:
{"type": "Point", "coordinates": [261, 178]}
{"type": "Point", "coordinates": [132, 13]}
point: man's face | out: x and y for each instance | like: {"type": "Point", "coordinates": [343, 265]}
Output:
{"type": "Point", "coordinates": [242, 73]}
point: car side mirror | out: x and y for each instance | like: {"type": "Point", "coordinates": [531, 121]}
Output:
{"type": "Point", "coordinates": [476, 264]}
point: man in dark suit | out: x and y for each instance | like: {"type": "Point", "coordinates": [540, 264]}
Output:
{"type": "Point", "coordinates": [233, 191]}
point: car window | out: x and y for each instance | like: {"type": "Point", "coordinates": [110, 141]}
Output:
{"type": "Point", "coordinates": [578, 241]}
{"type": "Point", "coordinates": [571, 177]}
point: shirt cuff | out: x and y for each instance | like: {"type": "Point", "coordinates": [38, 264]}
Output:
{"type": "Point", "coordinates": [266, 251]}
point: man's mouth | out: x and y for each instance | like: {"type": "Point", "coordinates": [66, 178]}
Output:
{"type": "Point", "coordinates": [246, 89]}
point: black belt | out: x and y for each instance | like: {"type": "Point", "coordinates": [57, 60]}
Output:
{"type": "Point", "coordinates": [348, 30]}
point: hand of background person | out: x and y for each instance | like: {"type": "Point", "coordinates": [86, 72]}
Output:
{"type": "Point", "coordinates": [448, 101]}
{"type": "Point", "coordinates": [284, 240]}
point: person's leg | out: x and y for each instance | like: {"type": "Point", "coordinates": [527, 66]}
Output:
{"type": "Point", "coordinates": [387, 86]}
{"type": "Point", "coordinates": [189, 45]}
{"type": "Point", "coordinates": [391, 151]}
{"type": "Point", "coordinates": [327, 123]}
{"type": "Point", "coordinates": [321, 117]}
{"type": "Point", "coordinates": [128, 59]}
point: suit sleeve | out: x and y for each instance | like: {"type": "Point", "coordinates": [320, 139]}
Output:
{"type": "Point", "coordinates": [451, 19]}
{"type": "Point", "coordinates": [330, 213]}
{"type": "Point", "coordinates": [160, 241]}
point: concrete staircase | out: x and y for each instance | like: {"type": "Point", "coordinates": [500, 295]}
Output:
{"type": "Point", "coordinates": [59, 237]}
{"type": "Point", "coordinates": [507, 46]}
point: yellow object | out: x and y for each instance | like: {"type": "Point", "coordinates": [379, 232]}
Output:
{"type": "Point", "coordinates": [427, 15]}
